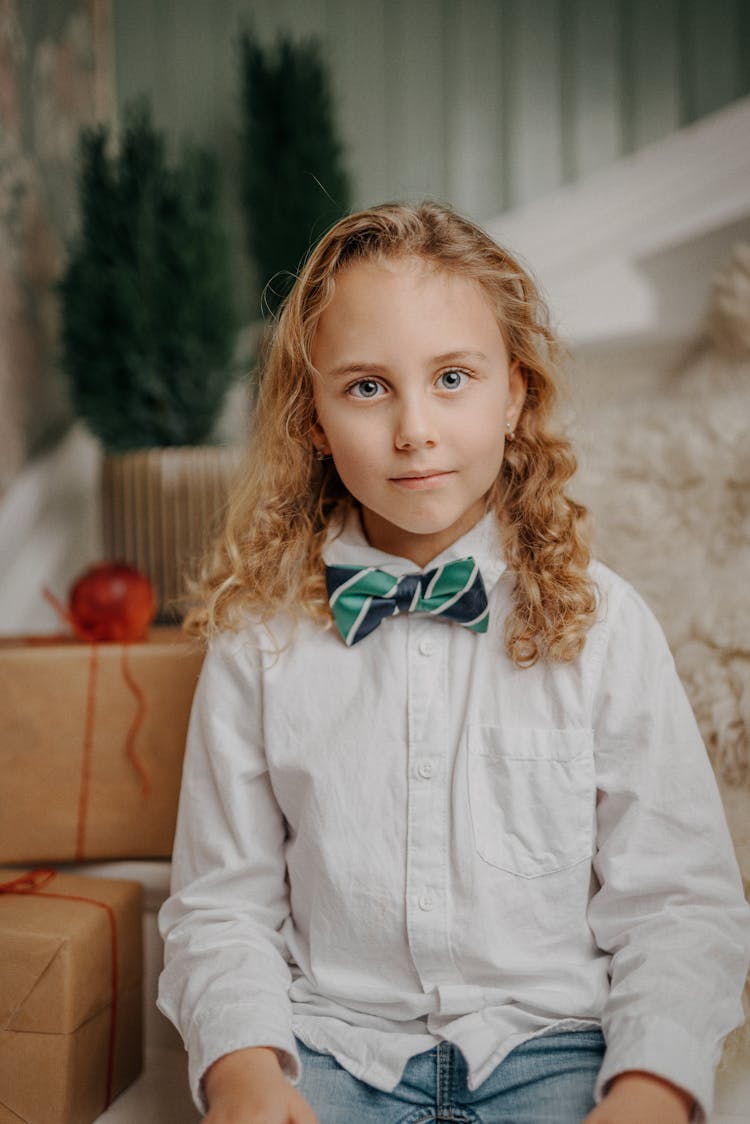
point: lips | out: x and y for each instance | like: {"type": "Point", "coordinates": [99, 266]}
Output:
{"type": "Point", "coordinates": [430, 478]}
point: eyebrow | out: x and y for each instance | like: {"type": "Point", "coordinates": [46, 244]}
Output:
{"type": "Point", "coordinates": [456, 356]}
{"type": "Point", "coordinates": [362, 368]}
{"type": "Point", "coordinates": [355, 369]}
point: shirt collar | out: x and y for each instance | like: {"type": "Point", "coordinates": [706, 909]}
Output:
{"type": "Point", "coordinates": [349, 547]}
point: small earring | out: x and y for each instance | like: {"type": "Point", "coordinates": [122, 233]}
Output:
{"type": "Point", "coordinates": [510, 433]}
{"type": "Point", "coordinates": [321, 455]}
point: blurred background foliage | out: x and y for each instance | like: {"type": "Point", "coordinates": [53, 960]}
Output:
{"type": "Point", "coordinates": [147, 309]}
{"type": "Point", "coordinates": [294, 184]}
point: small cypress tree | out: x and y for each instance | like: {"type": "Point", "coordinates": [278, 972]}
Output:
{"type": "Point", "coordinates": [147, 318]}
{"type": "Point", "coordinates": [293, 180]}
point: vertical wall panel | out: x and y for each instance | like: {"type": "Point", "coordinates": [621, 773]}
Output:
{"type": "Point", "coordinates": [229, 20]}
{"type": "Point", "coordinates": [416, 94]}
{"type": "Point", "coordinates": [474, 108]}
{"type": "Point", "coordinates": [743, 43]}
{"type": "Point", "coordinates": [592, 85]}
{"type": "Point", "coordinates": [506, 51]}
{"type": "Point", "coordinates": [653, 77]}
{"type": "Point", "coordinates": [356, 47]}
{"type": "Point", "coordinates": [261, 17]}
{"type": "Point", "coordinates": [303, 19]}
{"type": "Point", "coordinates": [163, 82]}
{"type": "Point", "coordinates": [535, 104]}
{"type": "Point", "coordinates": [192, 48]}
{"type": "Point", "coordinates": [224, 81]}
{"type": "Point", "coordinates": [135, 49]}
{"type": "Point", "coordinates": [713, 68]}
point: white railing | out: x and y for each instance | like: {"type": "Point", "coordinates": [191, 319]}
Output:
{"type": "Point", "coordinates": [609, 248]}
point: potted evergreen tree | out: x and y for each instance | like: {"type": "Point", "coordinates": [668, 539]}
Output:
{"type": "Point", "coordinates": [147, 334]}
{"type": "Point", "coordinates": [293, 180]}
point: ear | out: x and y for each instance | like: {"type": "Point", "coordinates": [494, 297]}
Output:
{"type": "Point", "coordinates": [517, 383]}
{"type": "Point", "coordinates": [319, 439]}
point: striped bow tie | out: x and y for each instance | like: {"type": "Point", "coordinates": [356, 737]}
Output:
{"type": "Point", "coordinates": [362, 597]}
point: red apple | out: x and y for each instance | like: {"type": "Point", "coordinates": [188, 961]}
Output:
{"type": "Point", "coordinates": [110, 601]}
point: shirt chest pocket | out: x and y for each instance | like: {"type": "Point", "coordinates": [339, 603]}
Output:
{"type": "Point", "coordinates": [532, 797]}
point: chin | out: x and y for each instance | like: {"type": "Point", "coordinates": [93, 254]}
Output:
{"type": "Point", "coordinates": [427, 526]}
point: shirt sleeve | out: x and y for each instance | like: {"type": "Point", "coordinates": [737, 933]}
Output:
{"type": "Point", "coordinates": [669, 907]}
{"type": "Point", "coordinates": [226, 977]}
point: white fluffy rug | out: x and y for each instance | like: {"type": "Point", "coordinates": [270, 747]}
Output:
{"type": "Point", "coordinates": [667, 479]}
{"type": "Point", "coordinates": [666, 476]}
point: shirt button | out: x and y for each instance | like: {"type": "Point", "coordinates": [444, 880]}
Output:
{"type": "Point", "coordinates": [426, 646]}
{"type": "Point", "coordinates": [425, 769]}
{"type": "Point", "coordinates": [426, 901]}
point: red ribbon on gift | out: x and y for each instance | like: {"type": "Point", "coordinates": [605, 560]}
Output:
{"type": "Point", "coordinates": [33, 882]}
{"type": "Point", "coordinates": [88, 732]}
{"type": "Point", "coordinates": [88, 741]}
{"type": "Point", "coordinates": [94, 631]}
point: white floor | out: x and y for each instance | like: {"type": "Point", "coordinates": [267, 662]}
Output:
{"type": "Point", "coordinates": [159, 1096]}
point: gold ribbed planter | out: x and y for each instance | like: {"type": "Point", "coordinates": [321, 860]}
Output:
{"type": "Point", "coordinates": [160, 508]}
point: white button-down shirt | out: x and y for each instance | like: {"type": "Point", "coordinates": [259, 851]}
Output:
{"type": "Point", "coordinates": [412, 839]}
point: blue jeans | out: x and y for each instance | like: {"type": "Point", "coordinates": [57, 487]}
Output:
{"type": "Point", "coordinates": [546, 1080]}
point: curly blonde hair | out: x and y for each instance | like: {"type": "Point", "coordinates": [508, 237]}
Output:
{"type": "Point", "coordinates": [269, 556]}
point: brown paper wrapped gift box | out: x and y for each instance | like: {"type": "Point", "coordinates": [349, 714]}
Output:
{"type": "Point", "coordinates": [91, 746]}
{"type": "Point", "coordinates": [70, 995]}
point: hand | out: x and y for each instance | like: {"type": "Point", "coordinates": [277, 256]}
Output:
{"type": "Point", "coordinates": [637, 1097]}
{"type": "Point", "coordinates": [248, 1087]}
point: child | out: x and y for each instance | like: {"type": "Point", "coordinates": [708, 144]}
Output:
{"type": "Point", "coordinates": [447, 828]}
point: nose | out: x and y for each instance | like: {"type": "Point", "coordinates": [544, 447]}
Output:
{"type": "Point", "coordinates": [415, 425]}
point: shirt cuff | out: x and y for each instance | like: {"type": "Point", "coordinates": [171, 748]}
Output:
{"type": "Point", "coordinates": [235, 1028]}
{"type": "Point", "coordinates": [666, 1049]}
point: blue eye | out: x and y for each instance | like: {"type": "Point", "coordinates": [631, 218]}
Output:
{"type": "Point", "coordinates": [453, 379]}
{"type": "Point", "coordinates": [365, 388]}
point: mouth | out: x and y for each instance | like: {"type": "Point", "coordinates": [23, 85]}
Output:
{"type": "Point", "coordinates": [414, 481]}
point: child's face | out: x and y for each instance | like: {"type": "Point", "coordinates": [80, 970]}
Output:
{"type": "Point", "coordinates": [412, 399]}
